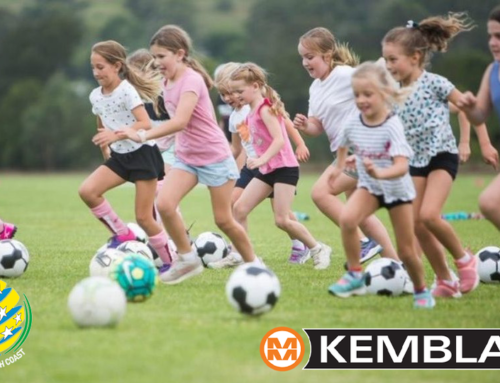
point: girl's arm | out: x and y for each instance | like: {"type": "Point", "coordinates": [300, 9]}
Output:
{"type": "Point", "coordinates": [106, 152]}
{"type": "Point", "coordinates": [464, 145]}
{"type": "Point", "coordinates": [236, 147]}
{"type": "Point", "coordinates": [398, 169]}
{"type": "Point", "coordinates": [301, 151]}
{"type": "Point", "coordinates": [310, 126]}
{"type": "Point", "coordinates": [273, 125]}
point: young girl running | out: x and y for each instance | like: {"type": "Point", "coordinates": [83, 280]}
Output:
{"type": "Point", "coordinates": [425, 116]}
{"type": "Point", "coordinates": [278, 167]}
{"type": "Point", "coordinates": [118, 104]}
{"type": "Point", "coordinates": [377, 138]}
{"type": "Point", "coordinates": [331, 103]}
{"type": "Point", "coordinates": [202, 151]}
{"type": "Point", "coordinates": [241, 143]}
{"type": "Point", "coordinates": [479, 108]}
{"type": "Point", "coordinates": [7, 230]}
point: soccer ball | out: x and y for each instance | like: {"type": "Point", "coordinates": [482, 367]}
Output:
{"type": "Point", "coordinates": [14, 258]}
{"type": "Point", "coordinates": [139, 233]}
{"type": "Point", "coordinates": [385, 276]}
{"type": "Point", "coordinates": [145, 249]}
{"type": "Point", "coordinates": [211, 247]}
{"type": "Point", "coordinates": [253, 289]}
{"type": "Point", "coordinates": [489, 264]}
{"type": "Point", "coordinates": [137, 276]}
{"type": "Point", "coordinates": [97, 302]}
{"type": "Point", "coordinates": [101, 262]}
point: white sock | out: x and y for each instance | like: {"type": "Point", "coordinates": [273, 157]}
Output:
{"type": "Point", "coordinates": [188, 257]}
{"type": "Point", "coordinates": [316, 248]}
{"type": "Point", "coordinates": [298, 244]}
{"type": "Point", "coordinates": [365, 239]}
{"type": "Point", "coordinates": [465, 259]}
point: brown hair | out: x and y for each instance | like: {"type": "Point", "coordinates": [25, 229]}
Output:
{"type": "Point", "coordinates": [148, 87]}
{"type": "Point", "coordinates": [322, 41]}
{"type": "Point", "coordinates": [175, 38]}
{"type": "Point", "coordinates": [222, 76]}
{"type": "Point", "coordinates": [495, 14]}
{"type": "Point", "coordinates": [430, 35]}
{"type": "Point", "coordinates": [250, 73]}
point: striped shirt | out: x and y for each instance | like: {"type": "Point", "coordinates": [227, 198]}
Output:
{"type": "Point", "coordinates": [380, 143]}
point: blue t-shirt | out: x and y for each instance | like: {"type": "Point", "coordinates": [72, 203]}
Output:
{"type": "Point", "coordinates": [495, 87]}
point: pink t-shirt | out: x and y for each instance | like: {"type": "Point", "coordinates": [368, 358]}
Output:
{"type": "Point", "coordinates": [262, 139]}
{"type": "Point", "coordinates": [202, 141]}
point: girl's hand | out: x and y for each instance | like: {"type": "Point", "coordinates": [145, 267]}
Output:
{"type": "Point", "coordinates": [490, 155]}
{"type": "Point", "coordinates": [254, 163]}
{"type": "Point", "coordinates": [464, 151]}
{"type": "Point", "coordinates": [467, 100]}
{"type": "Point", "coordinates": [104, 137]}
{"type": "Point", "coordinates": [371, 169]}
{"type": "Point", "coordinates": [302, 153]}
{"type": "Point", "coordinates": [350, 163]}
{"type": "Point", "coordinates": [128, 133]}
{"type": "Point", "coordinates": [300, 122]}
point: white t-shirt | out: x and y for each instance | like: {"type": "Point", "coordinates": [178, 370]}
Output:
{"type": "Point", "coordinates": [237, 118]}
{"type": "Point", "coordinates": [332, 102]}
{"type": "Point", "coordinates": [115, 112]}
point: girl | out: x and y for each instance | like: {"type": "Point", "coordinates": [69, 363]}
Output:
{"type": "Point", "coordinates": [202, 153]}
{"type": "Point", "coordinates": [434, 165]}
{"type": "Point", "coordinates": [479, 108]}
{"type": "Point", "coordinates": [278, 167]}
{"type": "Point", "coordinates": [7, 230]}
{"type": "Point", "coordinates": [243, 144]}
{"type": "Point", "coordinates": [382, 153]}
{"type": "Point", "coordinates": [117, 104]}
{"type": "Point", "coordinates": [331, 102]}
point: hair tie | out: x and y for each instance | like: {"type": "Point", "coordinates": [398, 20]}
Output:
{"type": "Point", "coordinates": [411, 24]}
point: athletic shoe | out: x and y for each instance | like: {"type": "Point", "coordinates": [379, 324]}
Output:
{"type": "Point", "coordinates": [182, 270]}
{"type": "Point", "coordinates": [369, 249]}
{"type": "Point", "coordinates": [454, 278]}
{"type": "Point", "coordinates": [116, 240]}
{"type": "Point", "coordinates": [232, 260]}
{"type": "Point", "coordinates": [164, 268]}
{"type": "Point", "coordinates": [299, 256]}
{"type": "Point", "coordinates": [9, 230]}
{"type": "Point", "coordinates": [446, 290]}
{"type": "Point", "coordinates": [348, 285]}
{"type": "Point", "coordinates": [469, 278]}
{"type": "Point", "coordinates": [321, 257]}
{"type": "Point", "coordinates": [424, 300]}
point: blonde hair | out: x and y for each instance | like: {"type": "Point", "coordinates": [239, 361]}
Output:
{"type": "Point", "coordinates": [322, 41]}
{"type": "Point", "coordinates": [432, 34]}
{"type": "Point", "coordinates": [175, 38]}
{"type": "Point", "coordinates": [222, 76]}
{"type": "Point", "coordinates": [377, 73]}
{"type": "Point", "coordinates": [148, 86]}
{"type": "Point", "coordinates": [250, 73]}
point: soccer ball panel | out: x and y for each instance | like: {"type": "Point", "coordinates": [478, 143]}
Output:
{"type": "Point", "coordinates": [14, 258]}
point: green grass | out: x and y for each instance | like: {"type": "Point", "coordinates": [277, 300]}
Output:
{"type": "Point", "coordinates": [189, 332]}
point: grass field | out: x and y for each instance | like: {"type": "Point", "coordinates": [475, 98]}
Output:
{"type": "Point", "coordinates": [188, 332]}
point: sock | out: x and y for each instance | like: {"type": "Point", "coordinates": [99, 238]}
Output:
{"type": "Point", "coordinates": [188, 257]}
{"type": "Point", "coordinates": [298, 245]}
{"type": "Point", "coordinates": [365, 240]}
{"type": "Point", "coordinates": [356, 272]}
{"type": "Point", "coordinates": [109, 218]}
{"type": "Point", "coordinates": [420, 290]}
{"type": "Point", "coordinates": [257, 262]}
{"type": "Point", "coordinates": [449, 283]}
{"type": "Point", "coordinates": [464, 260]}
{"type": "Point", "coordinates": [159, 242]}
{"type": "Point", "coordinates": [316, 248]}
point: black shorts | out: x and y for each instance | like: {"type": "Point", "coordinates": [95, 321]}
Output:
{"type": "Point", "coordinates": [246, 175]}
{"type": "Point", "coordinates": [445, 161]}
{"type": "Point", "coordinates": [389, 206]}
{"type": "Point", "coordinates": [288, 176]}
{"type": "Point", "coordinates": [144, 163]}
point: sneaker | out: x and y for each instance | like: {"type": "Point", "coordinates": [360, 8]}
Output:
{"type": "Point", "coordinates": [445, 290]}
{"type": "Point", "coordinates": [116, 240]}
{"type": "Point", "coordinates": [369, 249]}
{"type": "Point", "coordinates": [348, 286]}
{"type": "Point", "coordinates": [299, 256]}
{"type": "Point", "coordinates": [321, 257]}
{"type": "Point", "coordinates": [424, 300]}
{"type": "Point", "coordinates": [181, 270]}
{"type": "Point", "coordinates": [9, 230]}
{"type": "Point", "coordinates": [232, 260]}
{"type": "Point", "coordinates": [454, 278]}
{"type": "Point", "coordinates": [469, 278]}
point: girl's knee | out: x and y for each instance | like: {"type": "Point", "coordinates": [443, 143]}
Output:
{"type": "Point", "coordinates": [282, 222]}
{"type": "Point", "coordinates": [239, 211]}
{"type": "Point", "coordinates": [224, 223]}
{"type": "Point", "coordinates": [347, 222]}
{"type": "Point", "coordinates": [487, 203]}
{"type": "Point", "coordinates": [166, 208]}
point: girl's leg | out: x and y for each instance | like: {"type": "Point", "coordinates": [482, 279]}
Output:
{"type": "Point", "coordinates": [255, 192]}
{"type": "Point", "coordinates": [489, 202]}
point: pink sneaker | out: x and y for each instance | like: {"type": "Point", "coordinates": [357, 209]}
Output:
{"type": "Point", "coordinates": [444, 290]}
{"type": "Point", "coordinates": [9, 230]}
{"type": "Point", "coordinates": [469, 278]}
{"type": "Point", "coordinates": [116, 240]}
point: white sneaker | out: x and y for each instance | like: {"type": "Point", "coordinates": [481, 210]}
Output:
{"type": "Point", "coordinates": [232, 260]}
{"type": "Point", "coordinates": [454, 278]}
{"type": "Point", "coordinates": [182, 270]}
{"type": "Point", "coordinates": [321, 257]}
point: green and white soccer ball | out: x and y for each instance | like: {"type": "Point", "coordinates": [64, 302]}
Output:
{"type": "Point", "coordinates": [97, 302]}
{"type": "Point", "coordinates": [136, 275]}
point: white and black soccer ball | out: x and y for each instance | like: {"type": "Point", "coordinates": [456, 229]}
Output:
{"type": "Point", "coordinates": [211, 247]}
{"type": "Point", "coordinates": [144, 249]}
{"type": "Point", "coordinates": [488, 266]}
{"type": "Point", "coordinates": [97, 302]}
{"type": "Point", "coordinates": [253, 289]}
{"type": "Point", "coordinates": [14, 258]}
{"type": "Point", "coordinates": [385, 276]}
{"type": "Point", "coordinates": [101, 262]}
{"type": "Point", "coordinates": [138, 231]}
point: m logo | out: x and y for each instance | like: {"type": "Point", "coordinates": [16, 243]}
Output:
{"type": "Point", "coordinates": [282, 349]}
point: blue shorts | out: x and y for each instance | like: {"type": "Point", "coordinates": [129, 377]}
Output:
{"type": "Point", "coordinates": [169, 155]}
{"type": "Point", "coordinates": [212, 175]}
